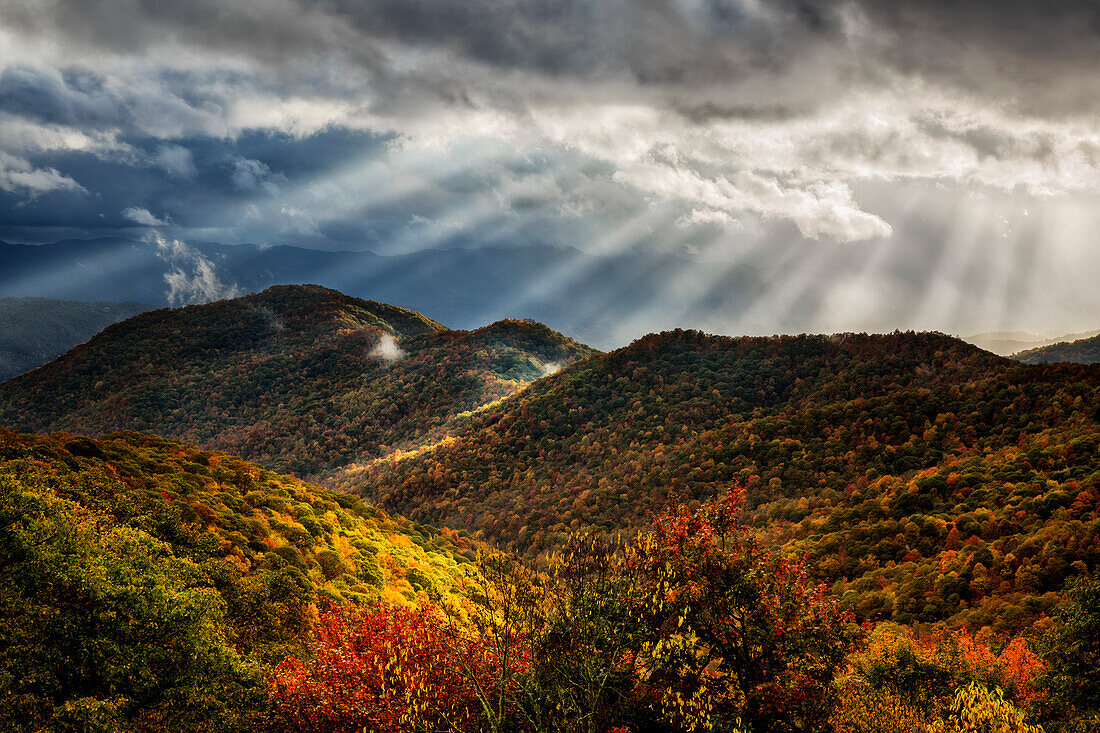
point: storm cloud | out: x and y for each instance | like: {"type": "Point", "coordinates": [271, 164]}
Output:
{"type": "Point", "coordinates": [718, 129]}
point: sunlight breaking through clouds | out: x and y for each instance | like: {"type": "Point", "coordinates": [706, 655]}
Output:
{"type": "Point", "coordinates": [728, 127]}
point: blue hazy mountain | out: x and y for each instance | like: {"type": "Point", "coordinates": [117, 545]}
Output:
{"type": "Point", "coordinates": [35, 330]}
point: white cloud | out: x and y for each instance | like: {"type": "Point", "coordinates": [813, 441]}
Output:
{"type": "Point", "coordinates": [247, 175]}
{"type": "Point", "coordinates": [18, 135]}
{"type": "Point", "coordinates": [707, 216]}
{"type": "Point", "coordinates": [191, 277]}
{"type": "Point", "coordinates": [176, 160]}
{"type": "Point", "coordinates": [297, 116]}
{"type": "Point", "coordinates": [143, 217]}
{"type": "Point", "coordinates": [18, 176]}
{"type": "Point", "coordinates": [818, 210]}
{"type": "Point", "coordinates": [550, 367]}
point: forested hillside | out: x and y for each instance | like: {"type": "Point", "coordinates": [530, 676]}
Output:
{"type": "Point", "coordinates": [300, 378]}
{"type": "Point", "coordinates": [154, 582]}
{"type": "Point", "coordinates": [35, 330]}
{"type": "Point", "coordinates": [1081, 351]}
{"type": "Point", "coordinates": [925, 479]}
{"type": "Point", "coordinates": [151, 586]}
{"type": "Point", "coordinates": [659, 491]}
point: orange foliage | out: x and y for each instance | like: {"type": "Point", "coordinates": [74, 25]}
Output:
{"type": "Point", "coordinates": [383, 669]}
{"type": "Point", "coordinates": [936, 664]}
{"type": "Point", "coordinates": [1021, 667]}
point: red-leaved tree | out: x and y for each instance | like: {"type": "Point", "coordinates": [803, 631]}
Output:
{"type": "Point", "coordinates": [382, 669]}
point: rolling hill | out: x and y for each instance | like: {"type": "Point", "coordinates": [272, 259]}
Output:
{"type": "Point", "coordinates": [148, 585]}
{"type": "Point", "coordinates": [300, 378]}
{"type": "Point", "coordinates": [1081, 351]}
{"type": "Point", "coordinates": [35, 330]}
{"type": "Point", "coordinates": [924, 478]}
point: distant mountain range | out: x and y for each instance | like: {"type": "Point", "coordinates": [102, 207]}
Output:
{"type": "Point", "coordinates": [35, 330]}
{"type": "Point", "coordinates": [1009, 343]}
{"type": "Point", "coordinates": [603, 300]}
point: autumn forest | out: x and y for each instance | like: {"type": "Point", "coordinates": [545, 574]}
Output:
{"type": "Point", "coordinates": [301, 511]}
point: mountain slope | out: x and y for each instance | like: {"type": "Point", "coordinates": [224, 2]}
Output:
{"type": "Point", "coordinates": [36, 330]}
{"type": "Point", "coordinates": [1081, 351]}
{"type": "Point", "coordinates": [886, 458]}
{"type": "Point", "coordinates": [300, 378]}
{"type": "Point", "coordinates": [149, 582]}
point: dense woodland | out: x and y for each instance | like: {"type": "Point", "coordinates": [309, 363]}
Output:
{"type": "Point", "coordinates": [925, 479]}
{"type": "Point", "coordinates": [790, 535]}
{"type": "Point", "coordinates": [149, 586]}
{"type": "Point", "coordinates": [153, 579]}
{"type": "Point", "coordinates": [300, 378]}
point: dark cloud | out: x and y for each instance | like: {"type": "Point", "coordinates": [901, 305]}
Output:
{"type": "Point", "coordinates": [46, 96]}
{"type": "Point", "coordinates": [275, 32]}
{"type": "Point", "coordinates": [91, 101]}
{"type": "Point", "coordinates": [1038, 56]}
{"type": "Point", "coordinates": [223, 176]}
{"type": "Point", "coordinates": [703, 54]}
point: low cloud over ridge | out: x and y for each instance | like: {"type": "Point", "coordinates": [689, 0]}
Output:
{"type": "Point", "coordinates": [192, 278]}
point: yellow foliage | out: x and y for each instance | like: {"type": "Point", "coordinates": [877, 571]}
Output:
{"type": "Point", "coordinates": [399, 540]}
{"type": "Point", "coordinates": [862, 709]}
{"type": "Point", "coordinates": [977, 709]}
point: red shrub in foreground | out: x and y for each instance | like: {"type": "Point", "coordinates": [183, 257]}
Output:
{"type": "Point", "coordinates": [382, 669]}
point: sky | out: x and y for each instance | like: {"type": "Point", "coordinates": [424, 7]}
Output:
{"type": "Point", "coordinates": [924, 164]}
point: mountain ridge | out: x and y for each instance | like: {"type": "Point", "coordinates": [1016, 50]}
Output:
{"type": "Point", "coordinates": [299, 377]}
{"type": "Point", "coordinates": [466, 286]}
{"type": "Point", "coordinates": [901, 445]}
{"type": "Point", "coordinates": [34, 330]}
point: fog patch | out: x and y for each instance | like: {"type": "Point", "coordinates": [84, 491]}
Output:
{"type": "Point", "coordinates": [387, 349]}
{"type": "Point", "coordinates": [271, 319]}
{"type": "Point", "coordinates": [144, 217]}
{"type": "Point", "coordinates": [550, 367]}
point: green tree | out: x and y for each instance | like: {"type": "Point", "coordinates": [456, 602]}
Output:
{"type": "Point", "coordinates": [103, 628]}
{"type": "Point", "coordinates": [1072, 655]}
{"type": "Point", "coordinates": [588, 659]}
